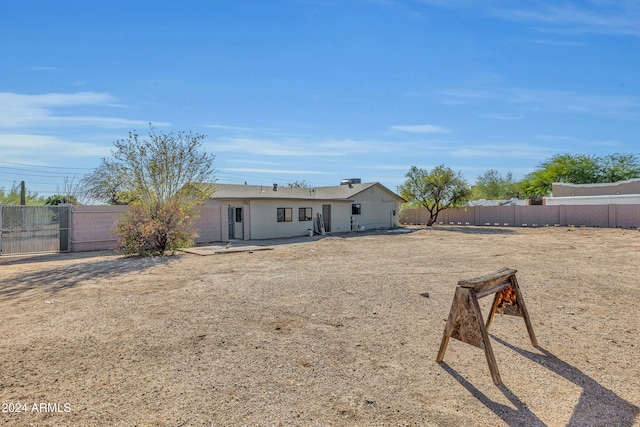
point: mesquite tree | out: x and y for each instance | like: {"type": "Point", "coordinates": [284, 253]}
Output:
{"type": "Point", "coordinates": [436, 190]}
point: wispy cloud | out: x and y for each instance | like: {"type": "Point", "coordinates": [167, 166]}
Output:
{"type": "Point", "coordinates": [297, 147]}
{"type": "Point", "coordinates": [278, 171]}
{"type": "Point", "coordinates": [15, 145]}
{"type": "Point", "coordinates": [552, 101]}
{"type": "Point", "coordinates": [52, 109]}
{"type": "Point", "coordinates": [555, 138]}
{"type": "Point", "coordinates": [562, 43]}
{"type": "Point", "coordinates": [498, 116]}
{"type": "Point", "coordinates": [503, 151]}
{"type": "Point", "coordinates": [426, 128]}
{"type": "Point", "coordinates": [44, 68]}
{"type": "Point", "coordinates": [375, 167]}
{"type": "Point", "coordinates": [619, 18]}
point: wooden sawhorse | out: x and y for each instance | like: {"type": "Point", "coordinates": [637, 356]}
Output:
{"type": "Point", "coordinates": [465, 322]}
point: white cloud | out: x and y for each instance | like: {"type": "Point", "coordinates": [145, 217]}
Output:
{"type": "Point", "coordinates": [46, 149]}
{"type": "Point", "coordinates": [43, 110]}
{"type": "Point", "coordinates": [554, 101]}
{"type": "Point", "coordinates": [426, 128]}
{"type": "Point", "coordinates": [621, 18]}
{"type": "Point", "coordinates": [278, 171]}
{"type": "Point", "coordinates": [296, 147]}
{"type": "Point", "coordinates": [498, 116]}
{"type": "Point", "coordinates": [503, 151]}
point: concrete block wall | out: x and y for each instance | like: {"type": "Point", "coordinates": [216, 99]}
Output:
{"type": "Point", "coordinates": [496, 215]}
{"type": "Point", "coordinates": [587, 215]}
{"type": "Point", "coordinates": [461, 216]}
{"type": "Point", "coordinates": [537, 216]}
{"type": "Point", "coordinates": [212, 224]}
{"type": "Point", "coordinates": [623, 216]}
{"type": "Point", "coordinates": [92, 227]}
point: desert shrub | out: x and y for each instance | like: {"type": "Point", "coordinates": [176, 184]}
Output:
{"type": "Point", "coordinates": [154, 230]}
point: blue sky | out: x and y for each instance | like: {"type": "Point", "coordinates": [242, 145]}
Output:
{"type": "Point", "coordinates": [318, 90]}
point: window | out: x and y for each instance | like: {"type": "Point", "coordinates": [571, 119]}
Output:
{"type": "Point", "coordinates": [304, 214]}
{"type": "Point", "coordinates": [284, 214]}
{"type": "Point", "coordinates": [238, 214]}
{"type": "Point", "coordinates": [356, 209]}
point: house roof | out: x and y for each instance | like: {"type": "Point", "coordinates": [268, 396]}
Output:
{"type": "Point", "coordinates": [256, 192]}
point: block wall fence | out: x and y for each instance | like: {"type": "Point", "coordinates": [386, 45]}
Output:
{"type": "Point", "coordinates": [605, 216]}
{"type": "Point", "coordinates": [92, 226]}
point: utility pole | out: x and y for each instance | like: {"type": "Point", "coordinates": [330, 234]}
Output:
{"type": "Point", "coordinates": [23, 194]}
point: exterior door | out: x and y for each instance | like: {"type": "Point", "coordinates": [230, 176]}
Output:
{"type": "Point", "coordinates": [239, 223]}
{"type": "Point", "coordinates": [232, 222]}
{"type": "Point", "coordinates": [326, 217]}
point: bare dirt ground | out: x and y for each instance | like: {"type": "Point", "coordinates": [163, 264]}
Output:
{"type": "Point", "coordinates": [332, 332]}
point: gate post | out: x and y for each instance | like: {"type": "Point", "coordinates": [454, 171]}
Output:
{"type": "Point", "coordinates": [64, 225]}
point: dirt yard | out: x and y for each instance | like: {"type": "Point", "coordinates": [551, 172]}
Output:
{"type": "Point", "coordinates": [335, 331]}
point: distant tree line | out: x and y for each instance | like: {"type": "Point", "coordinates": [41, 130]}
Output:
{"type": "Point", "coordinates": [441, 188]}
{"type": "Point", "coordinates": [162, 175]}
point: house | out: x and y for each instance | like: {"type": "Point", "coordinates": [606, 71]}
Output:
{"type": "Point", "coordinates": [501, 202]}
{"type": "Point", "coordinates": [614, 193]}
{"type": "Point", "coordinates": [264, 212]}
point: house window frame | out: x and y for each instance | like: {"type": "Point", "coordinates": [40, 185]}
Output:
{"type": "Point", "coordinates": [302, 214]}
{"type": "Point", "coordinates": [281, 214]}
{"type": "Point", "coordinates": [356, 209]}
{"type": "Point", "coordinates": [238, 214]}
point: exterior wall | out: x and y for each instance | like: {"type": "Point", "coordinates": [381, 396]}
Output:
{"type": "Point", "coordinates": [622, 199]}
{"type": "Point", "coordinates": [246, 221]}
{"type": "Point", "coordinates": [264, 221]}
{"type": "Point", "coordinates": [212, 224]}
{"type": "Point", "coordinates": [92, 226]}
{"type": "Point", "coordinates": [623, 216]}
{"type": "Point", "coordinates": [462, 216]}
{"type": "Point", "coordinates": [379, 209]}
{"type": "Point", "coordinates": [631, 186]}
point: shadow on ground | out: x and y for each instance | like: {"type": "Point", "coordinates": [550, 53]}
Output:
{"type": "Point", "coordinates": [520, 416]}
{"type": "Point", "coordinates": [597, 405]}
{"type": "Point", "coordinates": [472, 229]}
{"type": "Point", "coordinates": [67, 276]}
{"type": "Point", "coordinates": [306, 238]}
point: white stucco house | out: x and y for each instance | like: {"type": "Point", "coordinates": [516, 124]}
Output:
{"type": "Point", "coordinates": [265, 212]}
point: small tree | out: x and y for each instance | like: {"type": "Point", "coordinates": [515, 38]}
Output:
{"type": "Point", "coordinates": [60, 199]}
{"type": "Point", "coordinates": [165, 174]}
{"type": "Point", "coordinates": [436, 190]}
{"type": "Point", "coordinates": [299, 184]}
{"type": "Point", "coordinates": [107, 184]}
{"type": "Point", "coordinates": [579, 169]}
{"type": "Point", "coordinates": [491, 185]}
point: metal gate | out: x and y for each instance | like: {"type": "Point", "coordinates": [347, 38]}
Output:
{"type": "Point", "coordinates": [34, 229]}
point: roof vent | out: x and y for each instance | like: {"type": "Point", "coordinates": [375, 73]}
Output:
{"type": "Point", "coordinates": [275, 187]}
{"type": "Point", "coordinates": [349, 181]}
